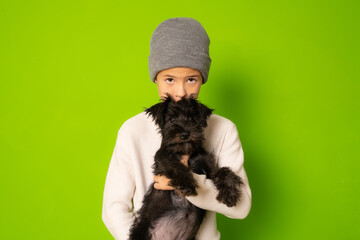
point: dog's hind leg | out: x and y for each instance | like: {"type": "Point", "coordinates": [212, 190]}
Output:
{"type": "Point", "coordinates": [155, 203]}
{"type": "Point", "coordinates": [140, 231]}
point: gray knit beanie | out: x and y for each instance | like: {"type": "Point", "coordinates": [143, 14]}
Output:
{"type": "Point", "coordinates": [179, 42]}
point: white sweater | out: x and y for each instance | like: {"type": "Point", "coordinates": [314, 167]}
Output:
{"type": "Point", "coordinates": [130, 174]}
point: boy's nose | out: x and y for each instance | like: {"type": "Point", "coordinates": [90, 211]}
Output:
{"type": "Point", "coordinates": [180, 93]}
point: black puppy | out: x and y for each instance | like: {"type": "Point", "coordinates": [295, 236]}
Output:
{"type": "Point", "coordinates": [168, 215]}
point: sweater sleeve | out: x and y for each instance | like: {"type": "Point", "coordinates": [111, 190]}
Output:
{"type": "Point", "coordinates": [119, 188]}
{"type": "Point", "coordinates": [231, 155]}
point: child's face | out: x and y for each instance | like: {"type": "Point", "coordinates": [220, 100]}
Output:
{"type": "Point", "coordinates": [179, 82]}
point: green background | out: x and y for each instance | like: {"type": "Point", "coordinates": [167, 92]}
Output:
{"type": "Point", "coordinates": [285, 72]}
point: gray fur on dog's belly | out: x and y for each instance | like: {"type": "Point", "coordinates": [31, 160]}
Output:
{"type": "Point", "coordinates": [176, 225]}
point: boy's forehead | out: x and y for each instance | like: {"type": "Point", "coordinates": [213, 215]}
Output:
{"type": "Point", "coordinates": [172, 72]}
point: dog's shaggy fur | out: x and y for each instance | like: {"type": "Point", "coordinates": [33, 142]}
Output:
{"type": "Point", "coordinates": [168, 215]}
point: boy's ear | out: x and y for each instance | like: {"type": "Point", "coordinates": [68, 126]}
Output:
{"type": "Point", "coordinates": [158, 110]}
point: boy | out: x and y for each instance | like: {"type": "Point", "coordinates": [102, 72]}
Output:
{"type": "Point", "coordinates": [179, 64]}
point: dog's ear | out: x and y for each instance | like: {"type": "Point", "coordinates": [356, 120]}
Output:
{"type": "Point", "coordinates": [158, 110]}
{"type": "Point", "coordinates": [205, 113]}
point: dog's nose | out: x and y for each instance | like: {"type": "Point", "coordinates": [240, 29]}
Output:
{"type": "Point", "coordinates": [185, 135]}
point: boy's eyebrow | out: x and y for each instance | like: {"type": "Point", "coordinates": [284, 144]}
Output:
{"type": "Point", "coordinates": [197, 75]}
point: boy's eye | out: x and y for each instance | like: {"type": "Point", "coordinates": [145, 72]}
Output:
{"type": "Point", "coordinates": [192, 80]}
{"type": "Point", "coordinates": [169, 80]}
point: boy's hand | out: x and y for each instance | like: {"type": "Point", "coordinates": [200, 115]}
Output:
{"type": "Point", "coordinates": [185, 160]}
{"type": "Point", "coordinates": [162, 182]}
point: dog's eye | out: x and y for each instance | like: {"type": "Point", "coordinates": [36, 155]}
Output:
{"type": "Point", "coordinates": [172, 120]}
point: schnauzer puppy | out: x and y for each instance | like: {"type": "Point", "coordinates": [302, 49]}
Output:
{"type": "Point", "coordinates": [168, 215]}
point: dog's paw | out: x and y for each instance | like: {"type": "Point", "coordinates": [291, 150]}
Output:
{"type": "Point", "coordinates": [230, 199]}
{"type": "Point", "coordinates": [228, 185]}
{"type": "Point", "coordinates": [186, 191]}
{"type": "Point", "coordinates": [187, 187]}
{"type": "Point", "coordinates": [185, 184]}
